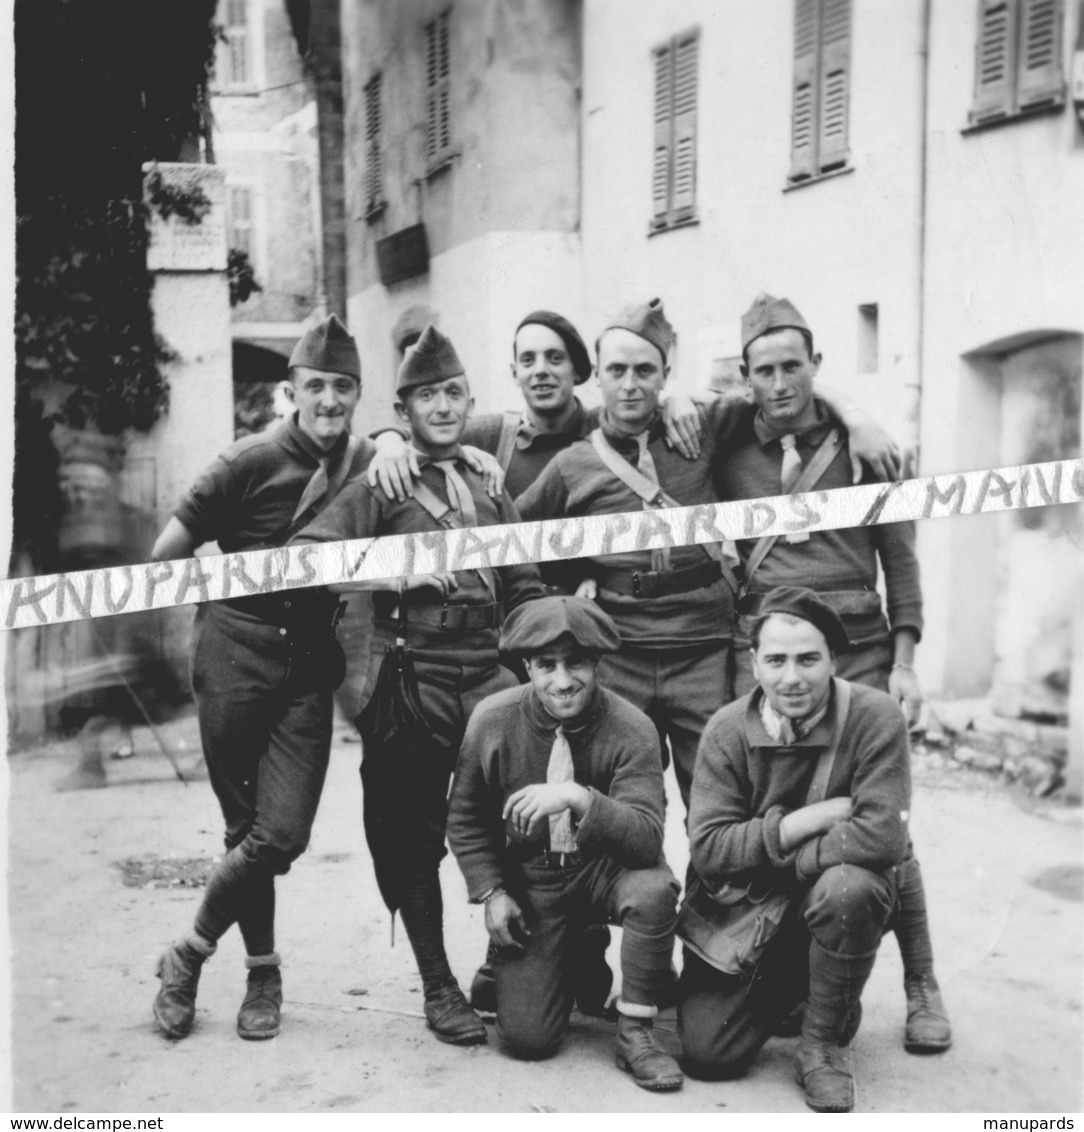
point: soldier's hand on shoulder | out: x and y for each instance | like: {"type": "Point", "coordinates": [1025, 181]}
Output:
{"type": "Point", "coordinates": [487, 467]}
{"type": "Point", "coordinates": [870, 443]}
{"type": "Point", "coordinates": [683, 425]}
{"type": "Point", "coordinates": [394, 467]}
{"type": "Point", "coordinates": [505, 922]}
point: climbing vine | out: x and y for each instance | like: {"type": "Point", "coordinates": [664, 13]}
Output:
{"type": "Point", "coordinates": [102, 87]}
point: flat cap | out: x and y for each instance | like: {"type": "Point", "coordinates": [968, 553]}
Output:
{"type": "Point", "coordinates": [799, 601]}
{"type": "Point", "coordinates": [769, 313]}
{"type": "Point", "coordinates": [539, 624]}
{"type": "Point", "coordinates": [329, 347]}
{"type": "Point", "coordinates": [432, 358]}
{"type": "Point", "coordinates": [577, 351]}
{"type": "Point", "coordinates": [648, 321]}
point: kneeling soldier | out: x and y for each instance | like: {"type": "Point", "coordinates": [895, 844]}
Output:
{"type": "Point", "coordinates": [556, 819]}
{"type": "Point", "coordinates": [755, 822]}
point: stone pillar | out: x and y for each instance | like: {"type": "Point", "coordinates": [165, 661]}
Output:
{"type": "Point", "coordinates": [191, 303]}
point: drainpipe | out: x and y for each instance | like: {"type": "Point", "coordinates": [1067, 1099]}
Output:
{"type": "Point", "coordinates": [914, 413]}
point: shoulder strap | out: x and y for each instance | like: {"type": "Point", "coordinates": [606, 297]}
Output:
{"type": "Point", "coordinates": [506, 444]}
{"type": "Point", "coordinates": [649, 491]}
{"type": "Point", "coordinates": [818, 785]}
{"type": "Point", "coordinates": [335, 484]}
{"type": "Point", "coordinates": [654, 496]}
{"type": "Point", "coordinates": [810, 477]}
{"type": "Point", "coordinates": [447, 517]}
{"type": "Point", "coordinates": [442, 512]}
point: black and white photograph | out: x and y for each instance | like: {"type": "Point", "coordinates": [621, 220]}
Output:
{"type": "Point", "coordinates": [789, 821]}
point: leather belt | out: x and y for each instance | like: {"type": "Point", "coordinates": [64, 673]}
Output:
{"type": "Point", "coordinates": [455, 618]}
{"type": "Point", "coordinates": [859, 601]}
{"type": "Point", "coordinates": [659, 583]}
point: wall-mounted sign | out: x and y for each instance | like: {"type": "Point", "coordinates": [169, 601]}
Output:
{"type": "Point", "coordinates": [403, 255]}
{"type": "Point", "coordinates": [174, 244]}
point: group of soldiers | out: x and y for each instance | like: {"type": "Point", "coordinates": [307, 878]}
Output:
{"type": "Point", "coordinates": [554, 698]}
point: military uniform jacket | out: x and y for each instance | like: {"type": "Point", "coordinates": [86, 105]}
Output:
{"type": "Point", "coordinates": [615, 754]}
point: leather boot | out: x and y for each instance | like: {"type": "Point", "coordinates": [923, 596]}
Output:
{"type": "Point", "coordinates": [639, 1053]}
{"type": "Point", "coordinates": [824, 1072]}
{"type": "Point", "coordinates": [832, 1016]}
{"type": "Point", "coordinates": [179, 969]}
{"type": "Point", "coordinates": [452, 1020]}
{"type": "Point", "coordinates": [928, 1029]}
{"type": "Point", "coordinates": [259, 1016]}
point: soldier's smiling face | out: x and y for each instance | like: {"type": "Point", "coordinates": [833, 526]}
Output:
{"type": "Point", "coordinates": [543, 369]}
{"type": "Point", "coordinates": [563, 677]}
{"type": "Point", "coordinates": [325, 402]}
{"type": "Point", "coordinates": [794, 665]}
{"type": "Point", "coordinates": [437, 413]}
{"type": "Point", "coordinates": [631, 375]}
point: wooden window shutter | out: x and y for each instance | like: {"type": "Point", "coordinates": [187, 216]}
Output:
{"type": "Point", "coordinates": [438, 98]}
{"type": "Point", "coordinates": [685, 98]}
{"type": "Point", "coordinates": [1038, 66]}
{"type": "Point", "coordinates": [804, 99]}
{"type": "Point", "coordinates": [664, 126]}
{"type": "Point", "coordinates": [834, 83]}
{"type": "Point", "coordinates": [994, 59]}
{"type": "Point", "coordinates": [374, 171]}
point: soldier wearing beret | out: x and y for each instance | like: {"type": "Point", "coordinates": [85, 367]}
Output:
{"type": "Point", "coordinates": [751, 825]}
{"type": "Point", "coordinates": [263, 671]}
{"type": "Point", "coordinates": [556, 819]}
{"type": "Point", "coordinates": [450, 621]}
{"type": "Point", "coordinates": [787, 429]}
{"type": "Point", "coordinates": [673, 606]}
{"type": "Point", "coordinates": [549, 362]}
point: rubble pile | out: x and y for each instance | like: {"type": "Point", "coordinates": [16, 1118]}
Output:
{"type": "Point", "coordinates": [967, 733]}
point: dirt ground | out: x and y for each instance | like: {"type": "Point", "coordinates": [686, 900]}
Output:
{"type": "Point", "coordinates": [100, 880]}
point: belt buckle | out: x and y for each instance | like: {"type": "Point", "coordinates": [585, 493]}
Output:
{"type": "Point", "coordinates": [636, 585]}
{"type": "Point", "coordinates": [444, 617]}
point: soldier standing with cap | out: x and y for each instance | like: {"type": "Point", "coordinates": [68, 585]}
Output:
{"type": "Point", "coordinates": [786, 441]}
{"type": "Point", "coordinates": [758, 821]}
{"type": "Point", "coordinates": [263, 671]}
{"type": "Point", "coordinates": [673, 606]}
{"type": "Point", "coordinates": [450, 622]}
{"type": "Point", "coordinates": [556, 819]}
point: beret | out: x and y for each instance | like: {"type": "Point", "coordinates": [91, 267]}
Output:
{"type": "Point", "coordinates": [329, 347]}
{"type": "Point", "coordinates": [577, 351]}
{"type": "Point", "coordinates": [769, 313]}
{"type": "Point", "coordinates": [805, 603]}
{"type": "Point", "coordinates": [539, 624]}
{"type": "Point", "coordinates": [432, 358]}
{"type": "Point", "coordinates": [648, 321]}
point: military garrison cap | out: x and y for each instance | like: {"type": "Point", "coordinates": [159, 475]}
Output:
{"type": "Point", "coordinates": [432, 358]}
{"type": "Point", "coordinates": [538, 625]}
{"type": "Point", "coordinates": [769, 313]}
{"type": "Point", "coordinates": [648, 321]}
{"type": "Point", "coordinates": [328, 346]}
{"type": "Point", "coordinates": [799, 601]}
{"type": "Point", "coordinates": [577, 351]}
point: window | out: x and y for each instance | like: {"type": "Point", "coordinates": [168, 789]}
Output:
{"type": "Point", "coordinates": [374, 159]}
{"type": "Point", "coordinates": [235, 53]}
{"type": "Point", "coordinates": [673, 176]}
{"type": "Point", "coordinates": [1017, 59]}
{"type": "Point", "coordinates": [868, 338]}
{"type": "Point", "coordinates": [822, 88]}
{"type": "Point", "coordinates": [240, 219]}
{"type": "Point", "coordinates": [438, 134]}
